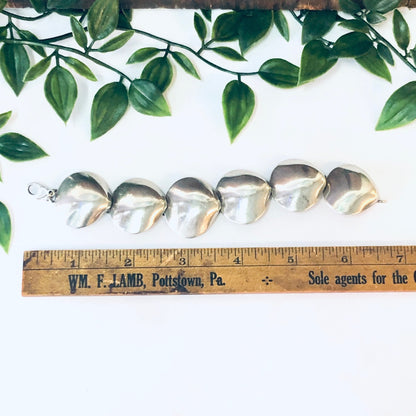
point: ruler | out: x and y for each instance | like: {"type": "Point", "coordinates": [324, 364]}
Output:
{"type": "Point", "coordinates": [219, 270]}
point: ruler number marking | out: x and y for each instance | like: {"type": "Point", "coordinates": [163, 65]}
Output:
{"type": "Point", "coordinates": [291, 260]}
{"type": "Point", "coordinates": [237, 261]}
{"type": "Point", "coordinates": [344, 259]}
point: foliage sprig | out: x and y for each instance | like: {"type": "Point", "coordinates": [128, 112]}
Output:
{"type": "Point", "coordinates": [17, 148]}
{"type": "Point", "coordinates": [93, 35]}
{"type": "Point", "coordinates": [106, 27]}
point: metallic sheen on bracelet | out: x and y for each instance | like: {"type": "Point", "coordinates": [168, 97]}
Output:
{"type": "Point", "coordinates": [191, 205]}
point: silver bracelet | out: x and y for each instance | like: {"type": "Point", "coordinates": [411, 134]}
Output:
{"type": "Point", "coordinates": [190, 206]}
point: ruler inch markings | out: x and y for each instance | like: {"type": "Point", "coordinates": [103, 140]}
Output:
{"type": "Point", "coordinates": [219, 270]}
{"type": "Point", "coordinates": [223, 265]}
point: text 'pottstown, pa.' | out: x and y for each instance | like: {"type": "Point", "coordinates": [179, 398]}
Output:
{"type": "Point", "coordinates": [138, 280]}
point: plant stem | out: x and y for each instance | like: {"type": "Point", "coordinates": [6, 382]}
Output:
{"type": "Point", "coordinates": [29, 19]}
{"type": "Point", "coordinates": [382, 39]}
{"type": "Point", "coordinates": [83, 16]}
{"type": "Point", "coordinates": [68, 49]}
{"type": "Point", "coordinates": [48, 42]}
{"type": "Point", "coordinates": [296, 17]}
{"type": "Point", "coordinates": [167, 50]}
{"type": "Point", "coordinates": [89, 47]}
{"type": "Point", "coordinates": [205, 46]}
{"type": "Point", "coordinates": [192, 51]}
{"type": "Point", "coordinates": [57, 38]}
{"type": "Point", "coordinates": [11, 26]}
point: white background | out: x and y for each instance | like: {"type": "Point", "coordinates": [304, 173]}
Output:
{"type": "Point", "coordinates": [333, 354]}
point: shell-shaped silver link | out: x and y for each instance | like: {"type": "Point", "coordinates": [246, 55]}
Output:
{"type": "Point", "coordinates": [84, 197]}
{"type": "Point", "coordinates": [349, 190]}
{"type": "Point", "coordinates": [297, 186]}
{"type": "Point", "coordinates": [137, 205]}
{"type": "Point", "coordinates": [192, 207]}
{"type": "Point", "coordinates": [244, 196]}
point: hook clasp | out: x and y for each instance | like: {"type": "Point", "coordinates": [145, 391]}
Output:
{"type": "Point", "coordinates": [40, 191]}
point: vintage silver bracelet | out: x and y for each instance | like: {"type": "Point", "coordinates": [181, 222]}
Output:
{"type": "Point", "coordinates": [190, 206]}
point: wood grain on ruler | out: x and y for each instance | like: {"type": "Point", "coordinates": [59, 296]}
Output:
{"type": "Point", "coordinates": [219, 270]}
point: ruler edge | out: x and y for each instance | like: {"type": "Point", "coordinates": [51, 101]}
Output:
{"type": "Point", "coordinates": [404, 247]}
{"type": "Point", "coordinates": [81, 250]}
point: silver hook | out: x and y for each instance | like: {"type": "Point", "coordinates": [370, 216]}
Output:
{"type": "Point", "coordinates": [40, 191]}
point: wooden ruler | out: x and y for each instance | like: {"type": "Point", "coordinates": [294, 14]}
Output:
{"type": "Point", "coordinates": [219, 270]}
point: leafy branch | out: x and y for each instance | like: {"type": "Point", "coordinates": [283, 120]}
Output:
{"type": "Point", "coordinates": [145, 93]}
{"type": "Point", "coordinates": [17, 148]}
{"type": "Point", "coordinates": [106, 27]}
{"type": "Point", "coordinates": [369, 48]}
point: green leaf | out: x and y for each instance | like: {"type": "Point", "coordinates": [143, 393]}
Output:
{"type": "Point", "coordinates": [355, 25]}
{"type": "Point", "coordinates": [128, 13]}
{"type": "Point", "coordinates": [400, 108]}
{"type": "Point", "coordinates": [280, 22]}
{"type": "Point", "coordinates": [238, 105]}
{"type": "Point", "coordinates": [317, 24]}
{"type": "Point", "coordinates": [253, 26]}
{"type": "Point", "coordinates": [185, 63]}
{"type": "Point", "coordinates": [2, 4]}
{"type": "Point", "coordinates": [4, 118]}
{"type": "Point", "coordinates": [280, 73]}
{"type": "Point", "coordinates": [207, 14]}
{"type": "Point", "coordinates": [413, 54]}
{"type": "Point", "coordinates": [37, 70]}
{"type": "Point", "coordinates": [79, 32]}
{"type": "Point", "coordinates": [5, 227]}
{"type": "Point", "coordinates": [200, 26]}
{"type": "Point", "coordinates": [349, 6]}
{"type": "Point", "coordinates": [61, 91]}
{"type": "Point", "coordinates": [226, 27]}
{"type": "Point", "coordinates": [381, 6]}
{"type": "Point", "coordinates": [401, 30]}
{"type": "Point", "coordinates": [18, 148]}
{"type": "Point", "coordinates": [3, 32]}
{"type": "Point", "coordinates": [123, 22]}
{"type": "Point", "coordinates": [109, 105]}
{"type": "Point", "coordinates": [102, 18]}
{"type": "Point", "coordinates": [373, 63]}
{"type": "Point", "coordinates": [79, 67]}
{"type": "Point", "coordinates": [26, 35]}
{"type": "Point", "coordinates": [142, 55]}
{"type": "Point", "coordinates": [116, 43]}
{"type": "Point", "coordinates": [39, 5]}
{"type": "Point", "coordinates": [159, 71]}
{"type": "Point", "coordinates": [14, 63]}
{"type": "Point", "coordinates": [124, 19]}
{"type": "Point", "coordinates": [316, 60]}
{"type": "Point", "coordinates": [228, 53]}
{"type": "Point", "coordinates": [374, 18]}
{"type": "Point", "coordinates": [147, 99]}
{"type": "Point", "coordinates": [385, 53]}
{"type": "Point", "coordinates": [352, 45]}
